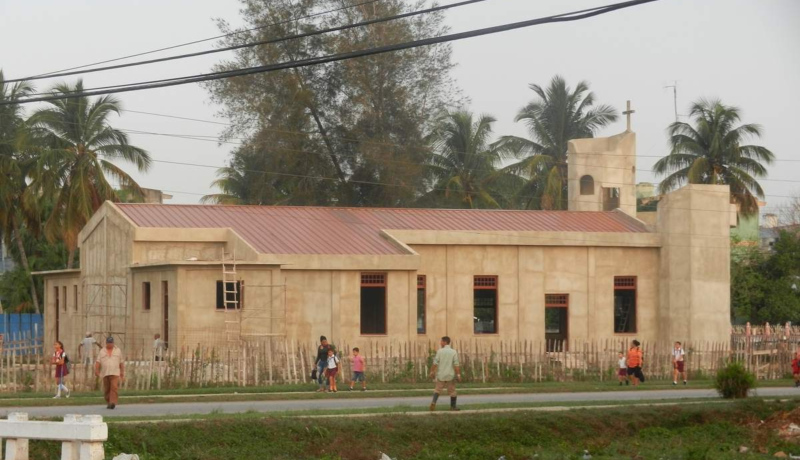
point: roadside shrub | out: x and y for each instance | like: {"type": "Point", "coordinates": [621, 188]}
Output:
{"type": "Point", "coordinates": [734, 381]}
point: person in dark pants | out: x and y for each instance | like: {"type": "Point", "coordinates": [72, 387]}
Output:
{"type": "Point", "coordinates": [635, 361]}
{"type": "Point", "coordinates": [111, 367]}
{"type": "Point", "coordinates": [322, 362]}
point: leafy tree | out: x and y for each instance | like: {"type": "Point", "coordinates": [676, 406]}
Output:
{"type": "Point", "coordinates": [557, 115]}
{"type": "Point", "coordinates": [715, 151]}
{"type": "Point", "coordinates": [77, 150]}
{"type": "Point", "coordinates": [348, 133]}
{"type": "Point", "coordinates": [17, 288]}
{"type": "Point", "coordinates": [765, 287]}
{"type": "Point", "coordinates": [464, 163]}
{"type": "Point", "coordinates": [15, 210]}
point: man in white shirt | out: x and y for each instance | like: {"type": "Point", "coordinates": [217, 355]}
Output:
{"type": "Point", "coordinates": [445, 371]}
{"type": "Point", "coordinates": [678, 365]}
{"type": "Point", "coordinates": [86, 349]}
{"type": "Point", "coordinates": [158, 347]}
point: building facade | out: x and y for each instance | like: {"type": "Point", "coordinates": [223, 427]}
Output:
{"type": "Point", "coordinates": [202, 274]}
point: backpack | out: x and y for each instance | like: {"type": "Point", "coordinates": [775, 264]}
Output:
{"type": "Point", "coordinates": [66, 363]}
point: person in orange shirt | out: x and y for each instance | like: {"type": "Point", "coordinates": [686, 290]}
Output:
{"type": "Point", "coordinates": [635, 361]}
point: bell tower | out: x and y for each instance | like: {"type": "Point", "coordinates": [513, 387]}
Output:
{"type": "Point", "coordinates": [602, 172]}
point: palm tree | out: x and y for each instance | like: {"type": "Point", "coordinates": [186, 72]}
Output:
{"type": "Point", "coordinates": [558, 115]}
{"type": "Point", "coordinates": [14, 165]}
{"type": "Point", "coordinates": [78, 150]}
{"type": "Point", "coordinates": [713, 151]}
{"type": "Point", "coordinates": [463, 165]}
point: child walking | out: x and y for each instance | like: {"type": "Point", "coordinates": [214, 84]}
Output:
{"type": "Point", "coordinates": [60, 359]}
{"type": "Point", "coordinates": [622, 371]}
{"type": "Point", "coordinates": [332, 370]}
{"type": "Point", "coordinates": [796, 369]}
{"type": "Point", "coordinates": [359, 367]}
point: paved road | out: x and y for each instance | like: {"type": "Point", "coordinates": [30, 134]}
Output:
{"type": "Point", "coordinates": [164, 409]}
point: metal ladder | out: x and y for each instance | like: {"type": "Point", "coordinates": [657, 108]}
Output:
{"type": "Point", "coordinates": [231, 298]}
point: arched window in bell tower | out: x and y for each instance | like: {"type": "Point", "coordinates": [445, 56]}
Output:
{"type": "Point", "coordinates": [587, 185]}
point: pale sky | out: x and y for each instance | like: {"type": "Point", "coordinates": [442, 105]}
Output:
{"type": "Point", "coordinates": [742, 51]}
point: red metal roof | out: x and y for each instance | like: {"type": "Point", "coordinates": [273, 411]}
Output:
{"type": "Point", "coordinates": [323, 230]}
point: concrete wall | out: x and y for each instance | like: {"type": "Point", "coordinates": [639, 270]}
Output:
{"type": "Point", "coordinates": [144, 324]}
{"type": "Point", "coordinates": [695, 263]}
{"type": "Point", "coordinates": [611, 161]}
{"type": "Point", "coordinates": [200, 322]}
{"type": "Point", "coordinates": [327, 302]}
{"type": "Point", "coordinates": [70, 320]}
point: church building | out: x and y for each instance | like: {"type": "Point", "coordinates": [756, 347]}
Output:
{"type": "Point", "coordinates": [213, 274]}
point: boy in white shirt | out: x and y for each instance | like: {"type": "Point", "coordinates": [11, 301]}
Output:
{"type": "Point", "coordinates": [332, 370]}
{"type": "Point", "coordinates": [678, 366]}
{"type": "Point", "coordinates": [622, 371]}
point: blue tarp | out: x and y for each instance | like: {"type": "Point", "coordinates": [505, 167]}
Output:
{"type": "Point", "coordinates": [12, 324]}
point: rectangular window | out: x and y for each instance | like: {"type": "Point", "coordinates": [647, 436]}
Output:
{"type": "Point", "coordinates": [373, 303]}
{"type": "Point", "coordinates": [75, 296]}
{"type": "Point", "coordinates": [624, 304]}
{"type": "Point", "coordinates": [56, 299]}
{"type": "Point", "coordinates": [146, 295]}
{"type": "Point", "coordinates": [485, 304]}
{"type": "Point", "coordinates": [231, 297]}
{"type": "Point", "coordinates": [556, 321]}
{"type": "Point", "coordinates": [64, 296]}
{"type": "Point", "coordinates": [421, 301]}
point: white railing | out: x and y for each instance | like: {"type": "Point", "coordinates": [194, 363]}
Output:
{"type": "Point", "coordinates": [82, 436]}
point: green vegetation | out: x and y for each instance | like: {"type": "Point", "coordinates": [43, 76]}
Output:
{"type": "Point", "coordinates": [715, 151]}
{"type": "Point", "coordinates": [558, 115]}
{"type": "Point", "coordinates": [55, 166]}
{"type": "Point", "coordinates": [734, 381]}
{"type": "Point", "coordinates": [703, 431]}
{"type": "Point", "coordinates": [765, 286]}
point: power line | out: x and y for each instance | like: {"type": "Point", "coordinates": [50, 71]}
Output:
{"type": "Point", "coordinates": [253, 44]}
{"type": "Point", "coordinates": [565, 17]}
{"type": "Point", "coordinates": [208, 138]}
{"type": "Point", "coordinates": [210, 38]}
{"type": "Point", "coordinates": [363, 182]}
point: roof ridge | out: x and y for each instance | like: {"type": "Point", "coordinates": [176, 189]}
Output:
{"type": "Point", "coordinates": [363, 208]}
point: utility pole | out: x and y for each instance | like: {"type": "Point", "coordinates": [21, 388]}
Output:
{"type": "Point", "coordinates": [674, 87]}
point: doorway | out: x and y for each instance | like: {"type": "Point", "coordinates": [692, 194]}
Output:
{"type": "Point", "coordinates": [57, 303]}
{"type": "Point", "coordinates": [556, 321]}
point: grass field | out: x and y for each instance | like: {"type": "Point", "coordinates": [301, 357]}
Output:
{"type": "Point", "coordinates": [289, 392]}
{"type": "Point", "coordinates": [691, 432]}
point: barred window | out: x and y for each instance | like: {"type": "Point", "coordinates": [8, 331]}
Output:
{"type": "Point", "coordinates": [373, 303]}
{"type": "Point", "coordinates": [624, 304]}
{"type": "Point", "coordinates": [485, 304]}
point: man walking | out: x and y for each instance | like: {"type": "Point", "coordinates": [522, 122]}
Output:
{"type": "Point", "coordinates": [158, 348]}
{"type": "Point", "coordinates": [111, 367]}
{"type": "Point", "coordinates": [86, 349]}
{"type": "Point", "coordinates": [445, 370]}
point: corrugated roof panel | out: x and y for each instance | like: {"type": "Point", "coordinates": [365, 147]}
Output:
{"type": "Point", "coordinates": [321, 230]}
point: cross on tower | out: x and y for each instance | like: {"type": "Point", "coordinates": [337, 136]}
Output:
{"type": "Point", "coordinates": [628, 113]}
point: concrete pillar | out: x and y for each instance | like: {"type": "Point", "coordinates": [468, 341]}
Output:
{"type": "Point", "coordinates": [695, 264]}
{"type": "Point", "coordinates": [17, 449]}
{"type": "Point", "coordinates": [92, 450]}
{"type": "Point", "coordinates": [70, 449]}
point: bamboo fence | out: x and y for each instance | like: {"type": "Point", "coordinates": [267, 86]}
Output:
{"type": "Point", "coordinates": [25, 362]}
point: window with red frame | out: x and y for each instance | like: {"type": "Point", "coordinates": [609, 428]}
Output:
{"type": "Point", "coordinates": [485, 304]}
{"type": "Point", "coordinates": [373, 303]}
{"type": "Point", "coordinates": [625, 304]}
